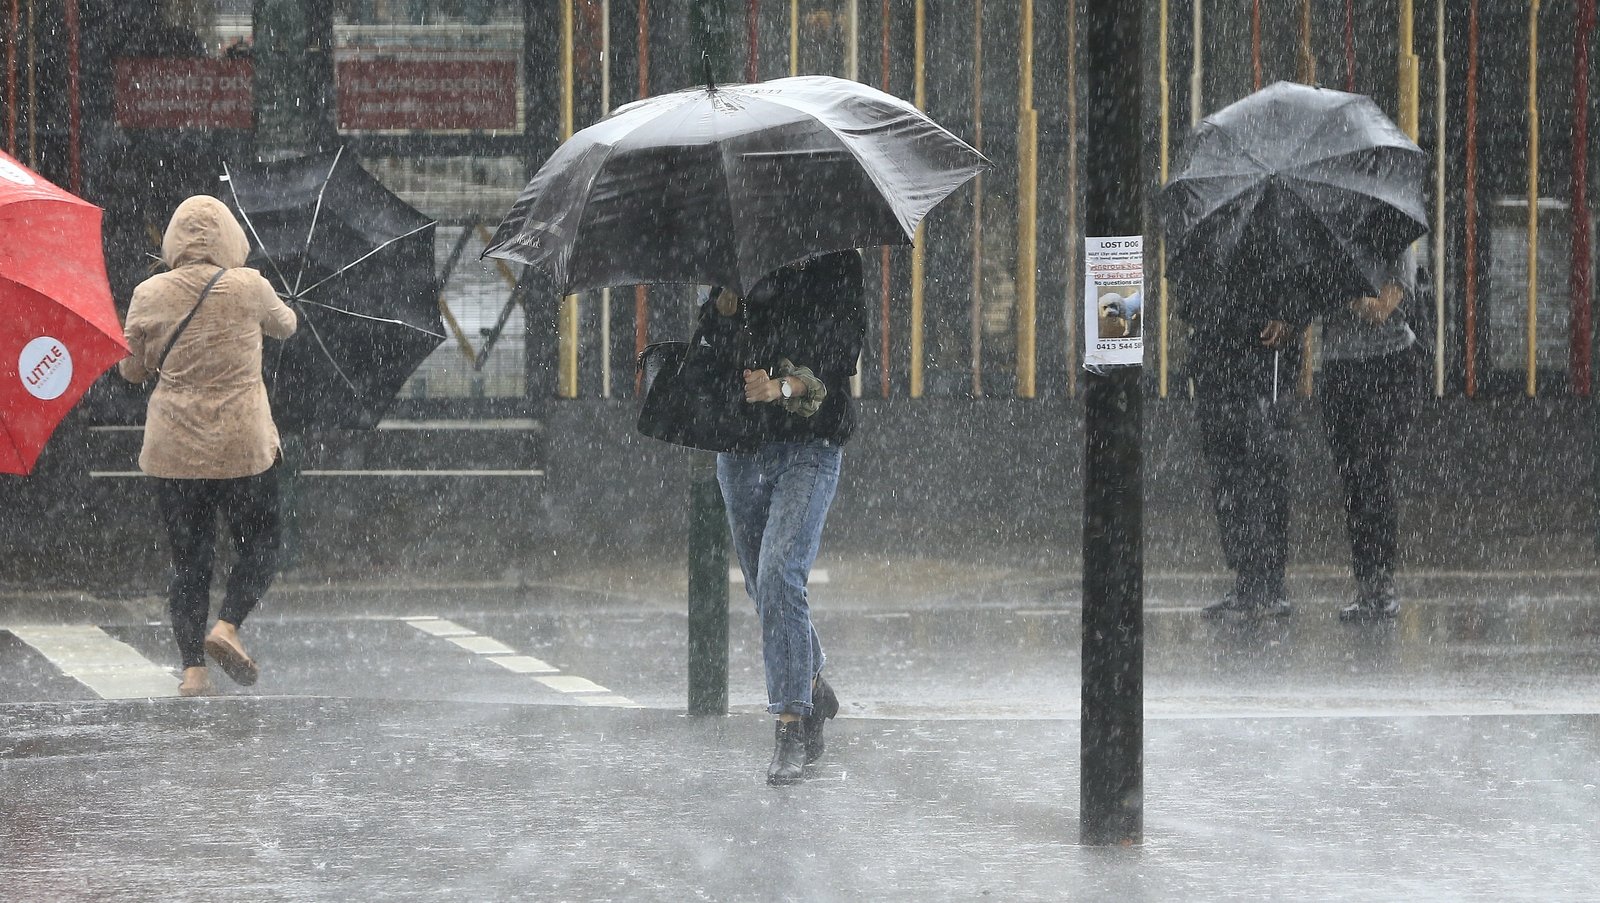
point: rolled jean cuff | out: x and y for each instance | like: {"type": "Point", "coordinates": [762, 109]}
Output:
{"type": "Point", "coordinates": [802, 709]}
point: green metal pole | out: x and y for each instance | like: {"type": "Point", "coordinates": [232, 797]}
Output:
{"type": "Point", "coordinates": [708, 591]}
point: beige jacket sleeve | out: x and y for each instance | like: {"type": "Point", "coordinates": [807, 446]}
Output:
{"type": "Point", "coordinates": [277, 320]}
{"type": "Point", "coordinates": [134, 331]}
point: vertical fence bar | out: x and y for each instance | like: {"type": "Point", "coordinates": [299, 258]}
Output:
{"type": "Point", "coordinates": [1469, 291]}
{"type": "Point", "coordinates": [1255, 45]}
{"type": "Point", "coordinates": [1531, 387]}
{"type": "Point", "coordinates": [74, 118]}
{"type": "Point", "coordinates": [11, 78]}
{"type": "Point", "coordinates": [1306, 72]}
{"type": "Point", "coordinates": [1350, 45]}
{"type": "Point", "coordinates": [752, 40]}
{"type": "Point", "coordinates": [1074, 235]}
{"type": "Point", "coordinates": [1164, 89]}
{"type": "Point", "coordinates": [919, 246]}
{"type": "Point", "coordinates": [976, 326]}
{"type": "Point", "coordinates": [605, 108]}
{"type": "Point", "coordinates": [1436, 242]}
{"type": "Point", "coordinates": [883, 253]}
{"type": "Point", "coordinates": [641, 295]}
{"type": "Point", "coordinates": [1027, 211]}
{"type": "Point", "coordinates": [1578, 276]}
{"type": "Point", "coordinates": [567, 319]}
{"type": "Point", "coordinates": [1407, 74]}
{"type": "Point", "coordinates": [794, 37]}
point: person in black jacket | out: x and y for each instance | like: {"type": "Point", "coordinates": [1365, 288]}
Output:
{"type": "Point", "coordinates": [1244, 356]}
{"type": "Point", "coordinates": [794, 343]}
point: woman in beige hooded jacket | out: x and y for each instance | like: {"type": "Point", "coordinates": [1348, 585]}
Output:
{"type": "Point", "coordinates": [209, 439]}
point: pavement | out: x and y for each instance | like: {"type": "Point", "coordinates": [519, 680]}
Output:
{"type": "Point", "coordinates": [525, 738]}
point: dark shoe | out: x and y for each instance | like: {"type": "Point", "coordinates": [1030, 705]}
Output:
{"type": "Point", "coordinates": [788, 754]}
{"type": "Point", "coordinates": [1229, 604]}
{"type": "Point", "coordinates": [1276, 608]}
{"type": "Point", "coordinates": [1381, 606]}
{"type": "Point", "coordinates": [824, 705]}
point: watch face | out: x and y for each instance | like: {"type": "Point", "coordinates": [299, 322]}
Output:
{"type": "Point", "coordinates": [783, 386]}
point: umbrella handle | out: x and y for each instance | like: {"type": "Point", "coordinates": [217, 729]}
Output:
{"type": "Point", "coordinates": [705, 64]}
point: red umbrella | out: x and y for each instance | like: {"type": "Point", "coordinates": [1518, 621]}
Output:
{"type": "Point", "coordinates": [58, 328]}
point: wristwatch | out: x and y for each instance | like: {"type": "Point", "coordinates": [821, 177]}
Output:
{"type": "Point", "coordinates": [784, 388]}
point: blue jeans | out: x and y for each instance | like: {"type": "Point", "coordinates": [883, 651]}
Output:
{"type": "Point", "coordinates": [777, 500]}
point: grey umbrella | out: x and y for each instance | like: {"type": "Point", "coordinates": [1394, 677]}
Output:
{"type": "Point", "coordinates": [723, 184]}
{"type": "Point", "coordinates": [1295, 188]}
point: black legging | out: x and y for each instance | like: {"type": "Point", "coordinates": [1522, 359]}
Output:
{"type": "Point", "coordinates": [1367, 409]}
{"type": "Point", "coordinates": [249, 506]}
{"type": "Point", "coordinates": [1244, 436]}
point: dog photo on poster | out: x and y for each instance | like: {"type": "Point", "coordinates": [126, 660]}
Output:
{"type": "Point", "coordinates": [1113, 313]}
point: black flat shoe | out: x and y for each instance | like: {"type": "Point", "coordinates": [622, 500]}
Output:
{"type": "Point", "coordinates": [824, 705]}
{"type": "Point", "coordinates": [788, 754]}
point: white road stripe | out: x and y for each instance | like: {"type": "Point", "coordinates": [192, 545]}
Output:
{"type": "Point", "coordinates": [438, 627]}
{"type": "Point", "coordinates": [524, 664]}
{"type": "Point", "coordinates": [508, 658]}
{"type": "Point", "coordinates": [109, 667]}
{"type": "Point", "coordinates": [483, 645]}
{"type": "Point", "coordinates": [566, 683]}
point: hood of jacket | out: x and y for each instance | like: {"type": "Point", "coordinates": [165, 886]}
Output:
{"type": "Point", "coordinates": [204, 230]}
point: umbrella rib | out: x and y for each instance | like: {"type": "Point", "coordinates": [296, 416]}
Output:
{"type": "Point", "coordinates": [388, 320]}
{"type": "Point", "coordinates": [329, 355]}
{"type": "Point", "coordinates": [340, 271]}
{"type": "Point", "coordinates": [252, 226]}
{"type": "Point", "coordinates": [316, 212]}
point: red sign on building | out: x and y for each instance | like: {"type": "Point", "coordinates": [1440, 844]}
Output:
{"type": "Point", "coordinates": [476, 95]}
{"type": "Point", "coordinates": [162, 93]}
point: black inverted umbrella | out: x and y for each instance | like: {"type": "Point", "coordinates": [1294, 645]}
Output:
{"type": "Point", "coordinates": [356, 263]}
{"type": "Point", "coordinates": [1295, 186]}
{"type": "Point", "coordinates": [723, 184]}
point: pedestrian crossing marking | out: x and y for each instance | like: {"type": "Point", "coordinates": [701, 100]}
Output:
{"type": "Point", "coordinates": [110, 668]}
{"type": "Point", "coordinates": [566, 683]}
{"type": "Point", "coordinates": [508, 658]}
{"type": "Point", "coordinates": [523, 664]}
{"type": "Point", "coordinates": [438, 627]}
{"type": "Point", "coordinates": [482, 645]}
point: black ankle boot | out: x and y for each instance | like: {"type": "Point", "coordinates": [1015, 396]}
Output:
{"type": "Point", "coordinates": [824, 705]}
{"type": "Point", "coordinates": [788, 754]}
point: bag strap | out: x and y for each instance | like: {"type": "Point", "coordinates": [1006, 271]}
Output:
{"type": "Point", "coordinates": [183, 325]}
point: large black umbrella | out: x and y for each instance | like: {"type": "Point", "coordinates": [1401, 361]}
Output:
{"type": "Point", "coordinates": [723, 184]}
{"type": "Point", "coordinates": [1296, 188]}
{"type": "Point", "coordinates": [356, 264]}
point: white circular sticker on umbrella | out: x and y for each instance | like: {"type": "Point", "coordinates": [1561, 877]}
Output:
{"type": "Point", "coordinates": [12, 172]}
{"type": "Point", "coordinates": [45, 367]}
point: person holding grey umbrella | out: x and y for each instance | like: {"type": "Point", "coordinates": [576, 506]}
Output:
{"type": "Point", "coordinates": [1240, 355]}
{"type": "Point", "coordinates": [793, 343]}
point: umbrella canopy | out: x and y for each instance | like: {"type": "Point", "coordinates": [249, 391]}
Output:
{"type": "Point", "coordinates": [1295, 186]}
{"type": "Point", "coordinates": [721, 185]}
{"type": "Point", "coordinates": [356, 263]}
{"type": "Point", "coordinates": [58, 327]}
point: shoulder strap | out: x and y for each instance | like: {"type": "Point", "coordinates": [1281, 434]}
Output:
{"type": "Point", "coordinates": [183, 325]}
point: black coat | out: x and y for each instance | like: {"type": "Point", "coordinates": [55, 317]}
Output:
{"type": "Point", "coordinates": [811, 313]}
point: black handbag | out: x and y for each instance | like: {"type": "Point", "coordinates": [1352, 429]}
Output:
{"type": "Point", "coordinates": [692, 401]}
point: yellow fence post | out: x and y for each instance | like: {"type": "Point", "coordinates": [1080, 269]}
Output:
{"type": "Point", "coordinates": [567, 320]}
{"type": "Point", "coordinates": [1027, 213]}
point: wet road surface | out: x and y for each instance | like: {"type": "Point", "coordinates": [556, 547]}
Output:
{"type": "Point", "coordinates": [528, 742]}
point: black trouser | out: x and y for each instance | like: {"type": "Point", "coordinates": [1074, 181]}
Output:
{"type": "Point", "coordinates": [1244, 435]}
{"type": "Point", "coordinates": [249, 506]}
{"type": "Point", "coordinates": [1367, 409]}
